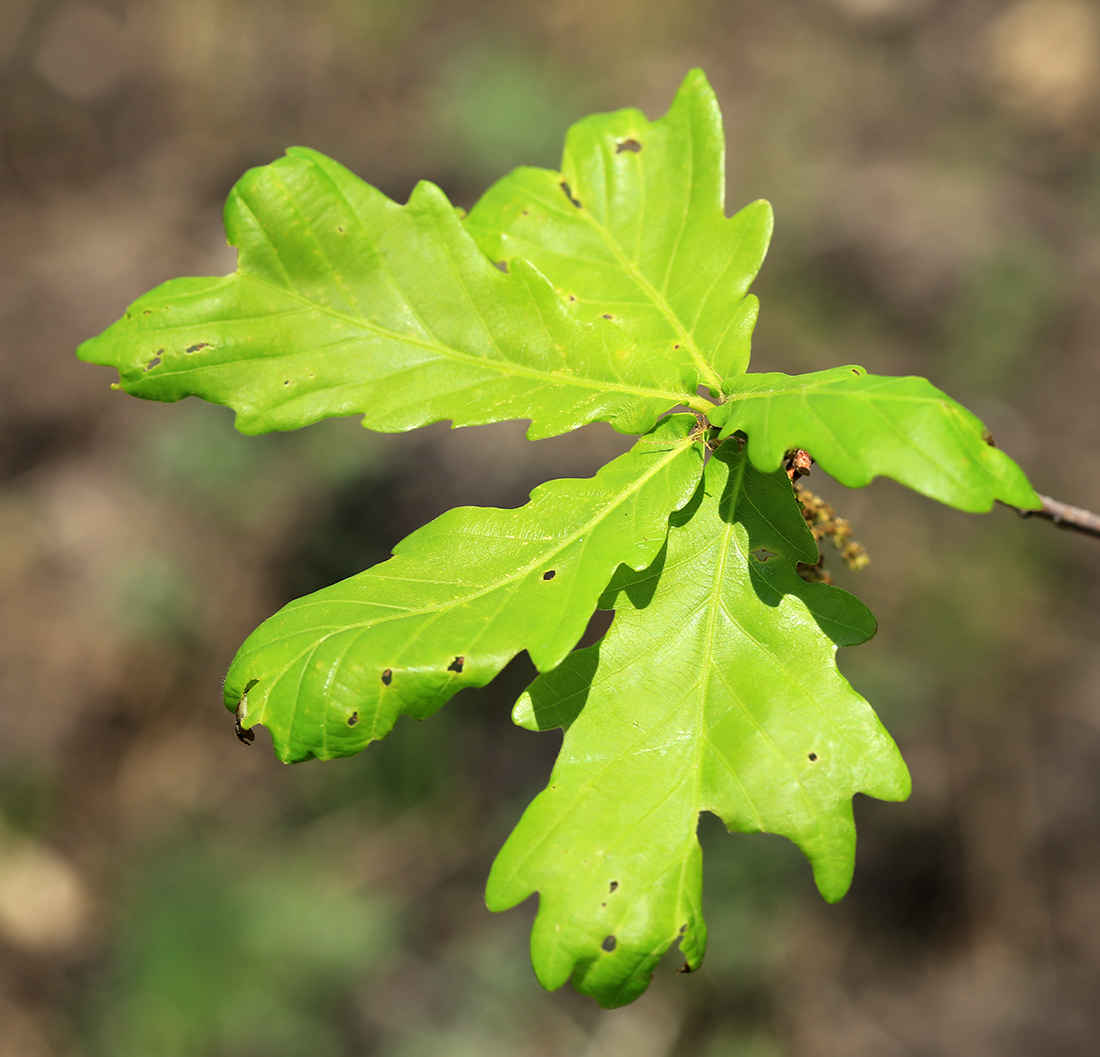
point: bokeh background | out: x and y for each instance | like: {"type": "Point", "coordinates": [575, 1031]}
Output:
{"type": "Point", "coordinates": [168, 892]}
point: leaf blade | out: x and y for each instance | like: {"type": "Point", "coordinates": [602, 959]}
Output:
{"type": "Point", "coordinates": [458, 600]}
{"type": "Point", "coordinates": [858, 426]}
{"type": "Point", "coordinates": [677, 277]}
{"type": "Point", "coordinates": [720, 693]}
{"type": "Point", "coordinates": [346, 303]}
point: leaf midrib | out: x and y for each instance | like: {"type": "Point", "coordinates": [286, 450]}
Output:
{"type": "Point", "coordinates": [503, 367]}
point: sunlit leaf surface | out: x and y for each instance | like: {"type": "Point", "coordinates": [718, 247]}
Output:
{"type": "Point", "coordinates": [331, 672]}
{"type": "Point", "coordinates": [634, 228]}
{"type": "Point", "coordinates": [715, 690]}
{"type": "Point", "coordinates": [346, 303]}
{"type": "Point", "coordinates": [859, 425]}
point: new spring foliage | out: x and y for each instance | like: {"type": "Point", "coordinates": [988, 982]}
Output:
{"type": "Point", "coordinates": [612, 290]}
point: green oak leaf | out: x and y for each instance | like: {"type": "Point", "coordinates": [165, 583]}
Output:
{"type": "Point", "coordinates": [609, 291]}
{"type": "Point", "coordinates": [634, 228]}
{"type": "Point", "coordinates": [716, 690]}
{"type": "Point", "coordinates": [858, 425]}
{"type": "Point", "coordinates": [345, 302]}
{"type": "Point", "coordinates": [331, 672]}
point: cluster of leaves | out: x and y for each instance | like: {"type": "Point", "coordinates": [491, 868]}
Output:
{"type": "Point", "coordinates": [614, 290]}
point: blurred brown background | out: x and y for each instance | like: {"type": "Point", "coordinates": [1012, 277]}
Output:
{"type": "Point", "coordinates": [168, 892]}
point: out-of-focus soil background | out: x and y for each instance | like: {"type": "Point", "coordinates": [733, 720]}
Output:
{"type": "Point", "coordinates": [168, 892]}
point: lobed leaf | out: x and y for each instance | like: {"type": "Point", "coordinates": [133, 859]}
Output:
{"type": "Point", "coordinates": [331, 672]}
{"type": "Point", "coordinates": [346, 303]}
{"type": "Point", "coordinates": [634, 228]}
{"type": "Point", "coordinates": [858, 425]}
{"type": "Point", "coordinates": [715, 690]}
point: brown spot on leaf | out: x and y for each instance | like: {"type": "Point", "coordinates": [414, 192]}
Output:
{"type": "Point", "coordinates": [628, 144]}
{"type": "Point", "coordinates": [387, 677]}
{"type": "Point", "coordinates": [569, 194]}
{"type": "Point", "coordinates": [613, 886]}
{"type": "Point", "coordinates": [353, 719]}
{"type": "Point", "coordinates": [812, 757]}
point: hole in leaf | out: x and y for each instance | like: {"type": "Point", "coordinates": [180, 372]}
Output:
{"type": "Point", "coordinates": [198, 345]}
{"type": "Point", "coordinates": [287, 382]}
{"type": "Point", "coordinates": [524, 212]}
{"type": "Point", "coordinates": [572, 297]}
{"type": "Point", "coordinates": [387, 677]}
{"type": "Point", "coordinates": [855, 370]}
{"type": "Point", "coordinates": [683, 928]}
{"type": "Point", "coordinates": [353, 719]}
{"type": "Point", "coordinates": [608, 315]}
{"type": "Point", "coordinates": [812, 757]}
{"type": "Point", "coordinates": [613, 886]}
{"type": "Point", "coordinates": [503, 266]}
{"type": "Point", "coordinates": [340, 229]}
{"type": "Point", "coordinates": [155, 360]}
{"type": "Point", "coordinates": [569, 194]}
{"type": "Point", "coordinates": [549, 574]}
{"type": "Point", "coordinates": [675, 346]}
{"type": "Point", "coordinates": [630, 145]}
{"type": "Point", "coordinates": [762, 554]}
{"type": "Point", "coordinates": [456, 665]}
{"type": "Point", "coordinates": [609, 944]}
{"type": "Point", "coordinates": [147, 312]}
{"type": "Point", "coordinates": [685, 968]}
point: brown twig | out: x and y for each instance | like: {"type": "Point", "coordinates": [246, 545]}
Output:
{"type": "Point", "coordinates": [1065, 516]}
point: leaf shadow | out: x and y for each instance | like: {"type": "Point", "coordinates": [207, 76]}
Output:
{"type": "Point", "coordinates": [559, 697]}
{"type": "Point", "coordinates": [839, 615]}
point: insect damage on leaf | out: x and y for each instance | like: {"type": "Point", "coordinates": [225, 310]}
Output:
{"type": "Point", "coordinates": [611, 290]}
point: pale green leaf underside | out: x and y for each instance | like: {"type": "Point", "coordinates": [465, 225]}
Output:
{"type": "Point", "coordinates": [858, 426]}
{"type": "Point", "coordinates": [634, 227]}
{"type": "Point", "coordinates": [715, 690]}
{"type": "Point", "coordinates": [460, 598]}
{"type": "Point", "coordinates": [346, 303]}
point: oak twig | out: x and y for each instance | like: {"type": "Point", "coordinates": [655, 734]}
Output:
{"type": "Point", "coordinates": [1065, 516]}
